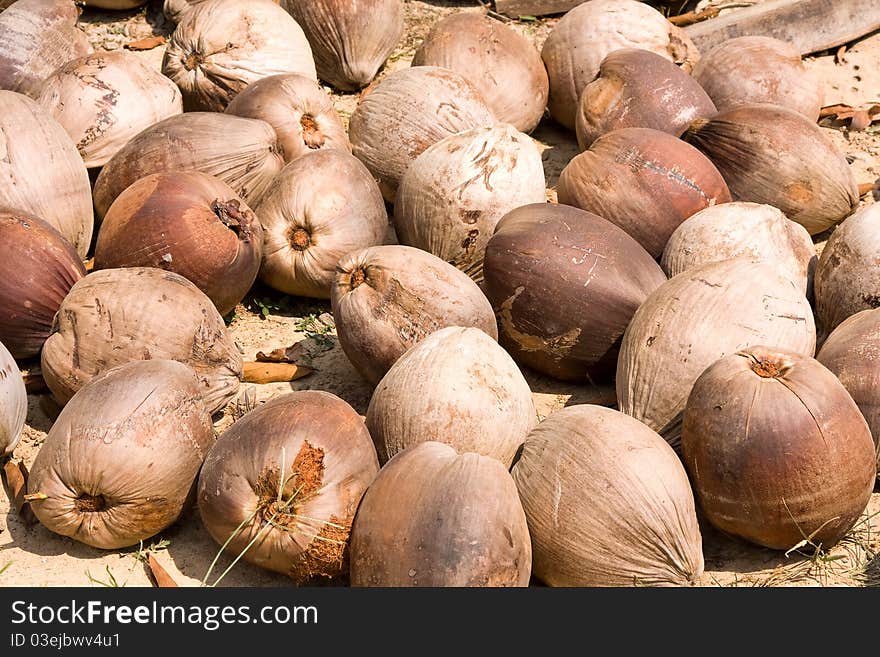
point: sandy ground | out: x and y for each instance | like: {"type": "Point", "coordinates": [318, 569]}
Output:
{"type": "Point", "coordinates": [33, 556]}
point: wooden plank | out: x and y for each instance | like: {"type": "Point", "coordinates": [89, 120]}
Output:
{"type": "Point", "coordinates": [514, 8]}
{"type": "Point", "coordinates": [810, 25]}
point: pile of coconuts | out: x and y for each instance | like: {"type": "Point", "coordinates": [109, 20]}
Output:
{"type": "Point", "coordinates": [143, 204]}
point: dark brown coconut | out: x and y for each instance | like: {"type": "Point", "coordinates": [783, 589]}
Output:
{"type": "Point", "coordinates": [769, 154]}
{"type": "Point", "coordinates": [299, 110]}
{"type": "Point", "coordinates": [436, 518]}
{"type": "Point", "coordinates": [350, 40]}
{"type": "Point", "coordinates": [579, 260]}
{"type": "Point", "coordinates": [189, 223]}
{"type": "Point", "coordinates": [243, 153]}
{"type": "Point", "coordinates": [282, 484]}
{"type": "Point", "coordinates": [319, 208]}
{"type": "Point", "coordinates": [37, 269]}
{"type": "Point", "coordinates": [645, 181]}
{"type": "Point", "coordinates": [114, 316]}
{"type": "Point", "coordinates": [120, 460]}
{"type": "Point", "coordinates": [777, 449]}
{"type": "Point", "coordinates": [386, 299]}
{"type": "Point", "coordinates": [502, 64]}
{"type": "Point", "coordinates": [639, 89]}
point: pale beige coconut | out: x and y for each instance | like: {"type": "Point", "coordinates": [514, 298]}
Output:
{"type": "Point", "coordinates": [221, 46]}
{"type": "Point", "coordinates": [105, 99]}
{"type": "Point", "coordinates": [696, 318]}
{"type": "Point", "coordinates": [114, 316]}
{"type": "Point", "coordinates": [457, 387]}
{"type": "Point", "coordinates": [13, 402]}
{"type": "Point", "coordinates": [725, 231]}
{"type": "Point", "coordinates": [41, 172]}
{"type": "Point", "coordinates": [453, 195]}
{"type": "Point", "coordinates": [608, 503]}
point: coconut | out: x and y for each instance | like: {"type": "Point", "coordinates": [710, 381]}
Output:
{"type": "Point", "coordinates": [407, 112]}
{"type": "Point", "coordinates": [639, 89]}
{"type": "Point", "coordinates": [608, 503]}
{"type": "Point", "coordinates": [120, 460]}
{"type": "Point", "coordinates": [114, 316]}
{"type": "Point", "coordinates": [13, 402]}
{"type": "Point", "coordinates": [437, 518]}
{"type": "Point", "coordinates": [645, 181]}
{"type": "Point", "coordinates": [453, 194]}
{"type": "Point", "coordinates": [583, 37]}
{"type": "Point", "coordinates": [769, 154]}
{"type": "Point", "coordinates": [501, 63]}
{"type": "Point", "coordinates": [281, 486]}
{"type": "Point", "coordinates": [321, 207]}
{"type": "Point", "coordinates": [777, 449]}
{"type": "Point", "coordinates": [578, 260]}
{"type": "Point", "coordinates": [760, 232]}
{"type": "Point", "coordinates": [37, 269]}
{"type": "Point", "coordinates": [696, 318]}
{"type": "Point", "coordinates": [385, 299]}
{"type": "Point", "coordinates": [114, 4]}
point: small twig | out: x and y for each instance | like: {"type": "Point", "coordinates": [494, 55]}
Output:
{"type": "Point", "coordinates": [693, 17]}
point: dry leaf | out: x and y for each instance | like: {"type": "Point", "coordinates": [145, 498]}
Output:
{"type": "Point", "coordinates": [289, 354]}
{"type": "Point", "coordinates": [15, 482]}
{"type": "Point", "coordinates": [273, 372]}
{"type": "Point", "coordinates": [158, 574]}
{"type": "Point", "coordinates": [859, 118]}
{"type": "Point", "coordinates": [146, 44]}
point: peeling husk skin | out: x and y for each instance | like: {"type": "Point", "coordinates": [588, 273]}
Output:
{"type": "Point", "coordinates": [457, 387]}
{"type": "Point", "coordinates": [453, 195]}
{"type": "Point", "coordinates": [321, 207]}
{"type": "Point", "coordinates": [608, 503]}
{"type": "Point", "coordinates": [852, 353]}
{"type": "Point", "coordinates": [386, 299]}
{"type": "Point", "coordinates": [299, 110]}
{"type": "Point", "coordinates": [583, 37]}
{"type": "Point", "coordinates": [502, 64]}
{"type": "Point", "coordinates": [759, 69]}
{"type": "Point", "coordinates": [407, 112]}
{"type": "Point", "coordinates": [13, 402]}
{"type": "Point", "coordinates": [220, 47]}
{"type": "Point", "coordinates": [579, 260]}
{"type": "Point", "coordinates": [38, 36]}
{"type": "Point", "coordinates": [399, 539]}
{"type": "Point", "coordinates": [114, 316]}
{"type": "Point", "coordinates": [639, 89]}
{"type": "Point", "coordinates": [645, 181]}
{"type": "Point", "coordinates": [243, 153]}
{"type": "Point", "coordinates": [37, 269]}
{"type": "Point", "coordinates": [777, 449]}
{"type": "Point", "coordinates": [328, 460]}
{"type": "Point", "coordinates": [41, 172]}
{"type": "Point", "coordinates": [122, 457]}
{"type": "Point", "coordinates": [189, 223]}
{"type": "Point", "coordinates": [847, 277]}
{"type": "Point", "coordinates": [350, 40]}
{"type": "Point", "coordinates": [105, 99]}
{"type": "Point", "coordinates": [769, 154]}
{"type": "Point", "coordinates": [696, 318]}
{"type": "Point", "coordinates": [726, 231]}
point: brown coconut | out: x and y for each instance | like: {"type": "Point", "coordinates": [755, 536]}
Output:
{"type": "Point", "coordinates": [639, 89]}
{"type": "Point", "coordinates": [777, 449]}
{"type": "Point", "coordinates": [579, 261]}
{"type": "Point", "coordinates": [120, 460]}
{"type": "Point", "coordinates": [299, 110]}
{"type": "Point", "coordinates": [643, 180]}
{"type": "Point", "coordinates": [385, 299]}
{"type": "Point", "coordinates": [586, 34]}
{"type": "Point", "coordinates": [243, 153]}
{"type": "Point", "coordinates": [37, 269]}
{"type": "Point", "coordinates": [407, 112]}
{"type": "Point", "coordinates": [114, 316]}
{"type": "Point", "coordinates": [501, 63]}
{"type": "Point", "coordinates": [189, 223]}
{"type": "Point", "coordinates": [435, 518]}
{"type": "Point", "coordinates": [608, 503]}
{"type": "Point", "coordinates": [321, 207]}
{"type": "Point", "coordinates": [773, 155]}
{"type": "Point", "coordinates": [281, 486]}
{"type": "Point", "coordinates": [696, 318]}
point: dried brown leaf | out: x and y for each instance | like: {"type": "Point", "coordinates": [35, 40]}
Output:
{"type": "Point", "coordinates": [273, 372]}
{"type": "Point", "coordinates": [15, 482]}
{"type": "Point", "coordinates": [146, 44]}
{"type": "Point", "coordinates": [159, 575]}
{"type": "Point", "coordinates": [290, 354]}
